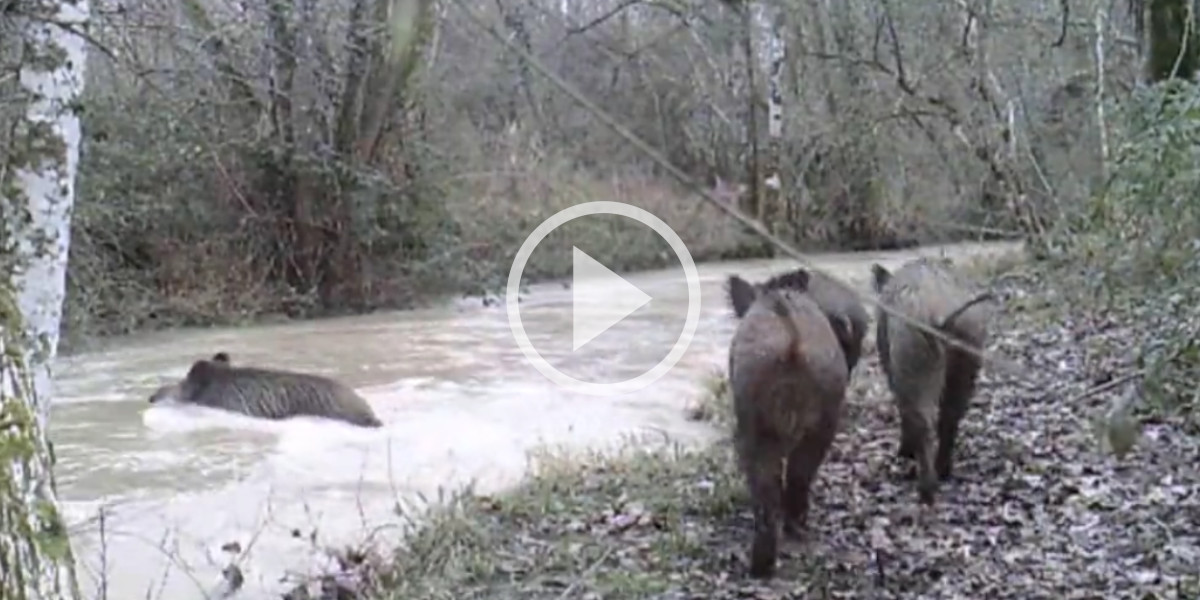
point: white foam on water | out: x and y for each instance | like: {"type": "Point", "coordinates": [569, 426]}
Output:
{"type": "Point", "coordinates": [339, 480]}
{"type": "Point", "coordinates": [171, 417]}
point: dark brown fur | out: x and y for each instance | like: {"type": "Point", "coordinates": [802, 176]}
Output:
{"type": "Point", "coordinates": [788, 377]}
{"type": "Point", "coordinates": [843, 307]}
{"type": "Point", "coordinates": [267, 393]}
{"type": "Point", "coordinates": [840, 305]}
{"type": "Point", "coordinates": [931, 381]}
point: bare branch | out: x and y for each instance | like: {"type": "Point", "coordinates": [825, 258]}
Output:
{"type": "Point", "coordinates": [897, 52]}
{"type": "Point", "coordinates": [1066, 18]}
{"type": "Point", "coordinates": [613, 12]}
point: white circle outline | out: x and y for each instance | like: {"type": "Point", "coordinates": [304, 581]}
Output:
{"type": "Point", "coordinates": [571, 213]}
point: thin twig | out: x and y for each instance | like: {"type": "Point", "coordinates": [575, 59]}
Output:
{"type": "Point", "coordinates": [103, 556]}
{"type": "Point", "coordinates": [586, 572]}
{"type": "Point", "coordinates": [1104, 387]}
{"type": "Point", "coordinates": [616, 10]}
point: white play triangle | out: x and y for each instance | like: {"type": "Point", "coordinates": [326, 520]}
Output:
{"type": "Point", "coordinates": [599, 298]}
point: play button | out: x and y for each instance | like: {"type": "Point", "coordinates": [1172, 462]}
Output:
{"type": "Point", "coordinates": [591, 313]}
{"type": "Point", "coordinates": [601, 299]}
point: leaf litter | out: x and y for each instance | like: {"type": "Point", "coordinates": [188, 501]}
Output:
{"type": "Point", "coordinates": [1035, 509]}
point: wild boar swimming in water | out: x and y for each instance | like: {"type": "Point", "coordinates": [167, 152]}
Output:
{"type": "Point", "coordinates": [267, 393]}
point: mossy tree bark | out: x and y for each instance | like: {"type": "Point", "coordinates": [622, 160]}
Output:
{"type": "Point", "coordinates": [1172, 40]}
{"type": "Point", "coordinates": [37, 191]}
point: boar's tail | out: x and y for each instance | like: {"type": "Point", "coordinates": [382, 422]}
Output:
{"type": "Point", "coordinates": [781, 307]}
{"type": "Point", "coordinates": [948, 322]}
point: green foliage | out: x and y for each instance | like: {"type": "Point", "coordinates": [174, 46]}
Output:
{"type": "Point", "coordinates": [715, 403]}
{"type": "Point", "coordinates": [226, 176]}
{"type": "Point", "coordinates": [179, 225]}
{"type": "Point", "coordinates": [1138, 237]}
{"type": "Point", "coordinates": [1148, 214]}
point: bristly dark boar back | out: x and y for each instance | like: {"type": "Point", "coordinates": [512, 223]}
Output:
{"type": "Point", "coordinates": [932, 383]}
{"type": "Point", "coordinates": [846, 313]}
{"type": "Point", "coordinates": [788, 377]}
{"type": "Point", "coordinates": [842, 306]}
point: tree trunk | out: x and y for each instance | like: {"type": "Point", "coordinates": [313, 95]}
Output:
{"type": "Point", "coordinates": [755, 169]}
{"type": "Point", "coordinates": [774, 196]}
{"type": "Point", "coordinates": [37, 190]}
{"type": "Point", "coordinates": [1173, 42]}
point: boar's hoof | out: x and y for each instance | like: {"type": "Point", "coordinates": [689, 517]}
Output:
{"type": "Point", "coordinates": [794, 528]}
{"type": "Point", "coordinates": [945, 473]}
{"type": "Point", "coordinates": [926, 494]}
{"type": "Point", "coordinates": [763, 554]}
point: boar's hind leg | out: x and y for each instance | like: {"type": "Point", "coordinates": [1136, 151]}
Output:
{"type": "Point", "coordinates": [924, 418]}
{"type": "Point", "coordinates": [764, 475]}
{"type": "Point", "coordinates": [962, 370]}
{"type": "Point", "coordinates": [802, 465]}
{"type": "Point", "coordinates": [908, 441]}
{"type": "Point", "coordinates": [910, 435]}
{"type": "Point", "coordinates": [918, 406]}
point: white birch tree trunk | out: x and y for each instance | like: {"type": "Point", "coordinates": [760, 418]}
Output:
{"type": "Point", "coordinates": [776, 54]}
{"type": "Point", "coordinates": [37, 191]}
{"type": "Point", "coordinates": [770, 21]}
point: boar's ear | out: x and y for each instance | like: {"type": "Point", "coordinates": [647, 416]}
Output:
{"type": "Point", "coordinates": [799, 279]}
{"type": "Point", "coordinates": [741, 295]}
{"type": "Point", "coordinates": [880, 276]}
{"type": "Point", "coordinates": [220, 357]}
{"type": "Point", "coordinates": [201, 371]}
{"type": "Point", "coordinates": [793, 280]}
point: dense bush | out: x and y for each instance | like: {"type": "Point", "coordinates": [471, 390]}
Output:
{"type": "Point", "coordinates": [1134, 247]}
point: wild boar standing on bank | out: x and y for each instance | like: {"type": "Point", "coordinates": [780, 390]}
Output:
{"type": "Point", "coordinates": [932, 382]}
{"type": "Point", "coordinates": [788, 376]}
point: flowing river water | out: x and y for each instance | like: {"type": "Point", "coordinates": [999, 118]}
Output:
{"type": "Point", "coordinates": [459, 401]}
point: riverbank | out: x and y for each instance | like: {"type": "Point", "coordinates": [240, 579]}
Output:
{"type": "Point", "coordinates": [1037, 507]}
{"type": "Point", "coordinates": [713, 251]}
{"type": "Point", "coordinates": [222, 284]}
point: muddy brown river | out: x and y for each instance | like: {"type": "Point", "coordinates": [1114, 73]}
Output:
{"type": "Point", "coordinates": [459, 401]}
